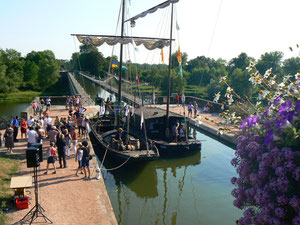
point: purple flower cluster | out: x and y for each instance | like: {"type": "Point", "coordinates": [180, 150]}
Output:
{"type": "Point", "coordinates": [268, 165]}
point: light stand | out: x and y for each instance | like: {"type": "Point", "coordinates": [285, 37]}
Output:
{"type": "Point", "coordinates": [37, 210]}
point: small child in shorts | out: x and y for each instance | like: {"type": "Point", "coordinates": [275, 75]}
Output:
{"type": "Point", "coordinates": [78, 158]}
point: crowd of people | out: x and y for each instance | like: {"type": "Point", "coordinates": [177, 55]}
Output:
{"type": "Point", "coordinates": [63, 133]}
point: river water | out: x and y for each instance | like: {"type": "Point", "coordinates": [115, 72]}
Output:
{"type": "Point", "coordinates": [9, 109]}
{"type": "Point", "coordinates": [195, 189]}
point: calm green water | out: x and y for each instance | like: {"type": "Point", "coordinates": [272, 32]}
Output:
{"type": "Point", "coordinates": [12, 109]}
{"type": "Point", "coordinates": [185, 191]}
{"type": "Point", "coordinates": [93, 89]}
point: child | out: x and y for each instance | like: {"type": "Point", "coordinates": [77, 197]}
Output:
{"type": "Point", "coordinates": [51, 153]}
{"type": "Point", "coordinates": [78, 157]}
{"type": "Point", "coordinates": [68, 139]}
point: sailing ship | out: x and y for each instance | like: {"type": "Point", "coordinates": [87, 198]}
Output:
{"type": "Point", "coordinates": [159, 123]}
{"type": "Point", "coordinates": [163, 140]}
{"type": "Point", "coordinates": [137, 148]}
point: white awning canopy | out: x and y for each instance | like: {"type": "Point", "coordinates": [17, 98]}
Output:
{"type": "Point", "coordinates": [98, 41]}
{"type": "Point", "coordinates": [152, 10]}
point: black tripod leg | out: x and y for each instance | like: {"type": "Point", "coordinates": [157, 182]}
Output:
{"type": "Point", "coordinates": [34, 212]}
{"type": "Point", "coordinates": [30, 212]}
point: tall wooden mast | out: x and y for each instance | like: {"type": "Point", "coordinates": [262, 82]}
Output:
{"type": "Point", "coordinates": [121, 61]}
{"type": "Point", "coordinates": [169, 74]}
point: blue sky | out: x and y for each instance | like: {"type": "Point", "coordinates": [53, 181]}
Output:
{"type": "Point", "coordinates": [252, 26]}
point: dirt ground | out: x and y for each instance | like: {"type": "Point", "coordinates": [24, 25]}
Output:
{"type": "Point", "coordinates": [66, 198]}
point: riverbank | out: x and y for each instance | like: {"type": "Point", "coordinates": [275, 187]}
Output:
{"type": "Point", "coordinates": [19, 96]}
{"type": "Point", "coordinates": [66, 198]}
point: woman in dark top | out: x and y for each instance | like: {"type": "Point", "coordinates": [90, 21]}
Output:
{"type": "Point", "coordinates": [86, 159]}
{"type": "Point", "coordinates": [9, 138]}
{"type": "Point", "coordinates": [61, 144]}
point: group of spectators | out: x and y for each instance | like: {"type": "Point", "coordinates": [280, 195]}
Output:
{"type": "Point", "coordinates": [194, 108]}
{"type": "Point", "coordinates": [39, 106]}
{"type": "Point", "coordinates": [73, 101]}
{"type": "Point", "coordinates": [61, 133]}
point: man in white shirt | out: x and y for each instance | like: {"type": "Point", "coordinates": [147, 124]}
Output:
{"type": "Point", "coordinates": [30, 121]}
{"type": "Point", "coordinates": [32, 136]}
{"type": "Point", "coordinates": [48, 123]}
{"type": "Point", "coordinates": [48, 102]}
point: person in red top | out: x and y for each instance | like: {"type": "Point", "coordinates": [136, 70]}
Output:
{"type": "Point", "coordinates": [34, 107]}
{"type": "Point", "coordinates": [51, 153]}
{"type": "Point", "coordinates": [74, 139]}
{"type": "Point", "coordinates": [23, 128]}
{"type": "Point", "coordinates": [177, 99]}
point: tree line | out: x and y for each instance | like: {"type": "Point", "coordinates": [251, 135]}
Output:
{"type": "Point", "coordinates": [36, 71]}
{"type": "Point", "coordinates": [200, 75]}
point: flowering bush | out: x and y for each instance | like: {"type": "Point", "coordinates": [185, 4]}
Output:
{"type": "Point", "coordinates": [268, 154]}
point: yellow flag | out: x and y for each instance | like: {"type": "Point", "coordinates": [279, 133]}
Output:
{"type": "Point", "coordinates": [162, 55]}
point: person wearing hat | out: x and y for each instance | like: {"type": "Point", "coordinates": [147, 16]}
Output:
{"type": "Point", "coordinates": [52, 134]}
{"type": "Point", "coordinates": [118, 138]}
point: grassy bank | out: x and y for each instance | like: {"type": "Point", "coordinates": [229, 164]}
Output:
{"type": "Point", "coordinates": [58, 89]}
{"type": "Point", "coordinates": [9, 166]}
{"type": "Point", "coordinates": [20, 96]}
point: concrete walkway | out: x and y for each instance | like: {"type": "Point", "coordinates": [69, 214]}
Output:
{"type": "Point", "coordinates": [211, 122]}
{"type": "Point", "coordinates": [66, 198]}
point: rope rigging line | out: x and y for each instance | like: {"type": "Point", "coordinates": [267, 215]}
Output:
{"type": "Point", "coordinates": [215, 27]}
{"type": "Point", "coordinates": [79, 63]}
{"type": "Point", "coordinates": [116, 31]}
{"type": "Point", "coordinates": [77, 54]}
{"type": "Point", "coordinates": [161, 31]}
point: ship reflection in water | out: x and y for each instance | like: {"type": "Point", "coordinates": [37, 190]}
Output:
{"type": "Point", "coordinates": [193, 189]}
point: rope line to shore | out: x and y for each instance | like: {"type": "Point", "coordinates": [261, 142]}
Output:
{"type": "Point", "coordinates": [101, 168]}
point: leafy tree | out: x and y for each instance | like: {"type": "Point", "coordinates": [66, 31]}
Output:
{"type": "Point", "coordinates": [200, 61]}
{"type": "Point", "coordinates": [75, 61]}
{"type": "Point", "coordinates": [178, 84]}
{"type": "Point", "coordinates": [200, 76]}
{"type": "Point", "coordinates": [242, 61]}
{"type": "Point", "coordinates": [91, 60]}
{"type": "Point", "coordinates": [3, 79]}
{"type": "Point", "coordinates": [291, 66]}
{"type": "Point", "coordinates": [214, 87]}
{"type": "Point", "coordinates": [31, 71]}
{"type": "Point", "coordinates": [270, 60]}
{"type": "Point", "coordinates": [239, 81]}
{"type": "Point", "coordinates": [164, 80]}
{"type": "Point", "coordinates": [174, 59]}
{"type": "Point", "coordinates": [48, 69]}
{"type": "Point", "coordinates": [14, 68]}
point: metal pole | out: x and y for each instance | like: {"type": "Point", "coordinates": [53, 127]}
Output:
{"type": "Point", "coordinates": [169, 75]}
{"type": "Point", "coordinates": [121, 61]}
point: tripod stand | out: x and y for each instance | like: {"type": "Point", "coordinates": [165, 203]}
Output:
{"type": "Point", "coordinates": [37, 210]}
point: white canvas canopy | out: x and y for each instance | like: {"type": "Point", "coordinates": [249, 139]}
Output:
{"type": "Point", "coordinates": [152, 10]}
{"type": "Point", "coordinates": [98, 41]}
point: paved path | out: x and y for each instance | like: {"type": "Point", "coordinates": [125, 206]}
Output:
{"type": "Point", "coordinates": [67, 199]}
{"type": "Point", "coordinates": [86, 99]}
{"type": "Point", "coordinates": [110, 89]}
{"type": "Point", "coordinates": [211, 122]}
